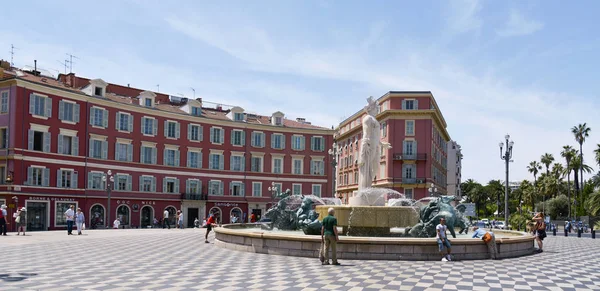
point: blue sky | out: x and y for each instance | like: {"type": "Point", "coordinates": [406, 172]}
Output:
{"type": "Point", "coordinates": [527, 68]}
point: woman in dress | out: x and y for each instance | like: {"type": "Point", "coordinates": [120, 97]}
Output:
{"type": "Point", "coordinates": [79, 220]}
{"type": "Point", "coordinates": [539, 230]}
{"type": "Point", "coordinates": [22, 223]}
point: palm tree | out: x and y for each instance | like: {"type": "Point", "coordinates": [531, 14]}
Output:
{"type": "Point", "coordinates": [494, 189]}
{"type": "Point", "coordinates": [581, 132]}
{"type": "Point", "coordinates": [534, 168]}
{"type": "Point", "coordinates": [547, 160]}
{"type": "Point", "coordinates": [528, 193]}
{"type": "Point", "coordinates": [568, 153]}
{"type": "Point", "coordinates": [597, 152]}
{"type": "Point", "coordinates": [576, 164]}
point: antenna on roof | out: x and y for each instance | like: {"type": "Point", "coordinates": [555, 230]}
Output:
{"type": "Point", "coordinates": [71, 62]}
{"type": "Point", "coordinates": [12, 55]}
{"type": "Point", "coordinates": [65, 63]}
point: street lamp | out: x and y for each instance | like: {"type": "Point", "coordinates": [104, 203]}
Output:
{"type": "Point", "coordinates": [432, 190]}
{"type": "Point", "coordinates": [506, 156]}
{"type": "Point", "coordinates": [108, 183]}
{"type": "Point", "coordinates": [273, 191]}
{"type": "Point", "coordinates": [333, 152]}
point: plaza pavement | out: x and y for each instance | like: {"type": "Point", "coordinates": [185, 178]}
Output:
{"type": "Point", "coordinates": [157, 259]}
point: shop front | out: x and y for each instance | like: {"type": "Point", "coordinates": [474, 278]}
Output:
{"type": "Point", "coordinates": [193, 209]}
{"type": "Point", "coordinates": [228, 212]}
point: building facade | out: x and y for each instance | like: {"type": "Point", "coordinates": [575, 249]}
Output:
{"type": "Point", "coordinates": [454, 168]}
{"type": "Point", "coordinates": [414, 126]}
{"type": "Point", "coordinates": [76, 141]}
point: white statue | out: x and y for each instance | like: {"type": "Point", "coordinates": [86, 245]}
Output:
{"type": "Point", "coordinates": [370, 147]}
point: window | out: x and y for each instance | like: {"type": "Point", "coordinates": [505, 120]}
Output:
{"type": "Point", "coordinates": [316, 190]}
{"type": "Point", "coordinates": [277, 165]}
{"type": "Point", "coordinates": [237, 163]}
{"type": "Point", "coordinates": [194, 132]}
{"type": "Point", "coordinates": [238, 137]}
{"type": "Point", "coordinates": [409, 147]}
{"type": "Point", "coordinates": [296, 189]}
{"type": "Point", "coordinates": [3, 138]}
{"type": "Point", "coordinates": [171, 157]}
{"type": "Point", "coordinates": [408, 171]}
{"type": "Point", "coordinates": [68, 145]}
{"type": "Point", "coordinates": [61, 208]}
{"type": "Point", "coordinates": [2, 175]}
{"type": "Point", "coordinates": [277, 141]}
{"type": "Point", "coordinates": [40, 105]}
{"type": "Point", "coordinates": [96, 180]}
{"type": "Point", "coordinates": [238, 116]}
{"type": "Point", "coordinates": [37, 176]}
{"type": "Point", "coordinates": [317, 167]}
{"type": "Point", "coordinates": [384, 129]}
{"type": "Point", "coordinates": [194, 159]}
{"type": "Point", "coordinates": [256, 189]}
{"type": "Point", "coordinates": [68, 111]}
{"type": "Point", "coordinates": [124, 122]}
{"type": "Point", "coordinates": [258, 139]}
{"type": "Point", "coordinates": [149, 126]}
{"type": "Point", "coordinates": [215, 162]}
{"type": "Point", "coordinates": [317, 143]}
{"type": "Point", "coordinates": [148, 155]}
{"type": "Point", "coordinates": [215, 187]}
{"type": "Point", "coordinates": [98, 149]}
{"type": "Point", "coordinates": [217, 135]}
{"type": "Point", "coordinates": [148, 102]}
{"type": "Point", "coordinates": [66, 179]}
{"type": "Point", "coordinates": [298, 142]}
{"type": "Point", "coordinates": [196, 111]}
{"type": "Point", "coordinates": [123, 152]}
{"type": "Point", "coordinates": [193, 186]}
{"type": "Point", "coordinates": [410, 127]}
{"type": "Point", "coordinates": [4, 102]}
{"type": "Point", "coordinates": [170, 185]}
{"type": "Point", "coordinates": [278, 187]}
{"type": "Point", "coordinates": [123, 182]}
{"type": "Point", "coordinates": [172, 129]}
{"type": "Point", "coordinates": [236, 189]}
{"type": "Point", "coordinates": [99, 117]}
{"type": "Point", "coordinates": [408, 193]}
{"type": "Point", "coordinates": [98, 91]}
{"type": "Point", "coordinates": [147, 184]}
{"type": "Point", "coordinates": [410, 104]}
{"type": "Point", "coordinates": [297, 166]}
{"type": "Point", "coordinates": [38, 141]}
{"type": "Point", "coordinates": [257, 164]}
{"type": "Point", "coordinates": [278, 120]}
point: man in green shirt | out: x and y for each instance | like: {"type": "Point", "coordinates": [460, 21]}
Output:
{"type": "Point", "coordinates": [329, 236]}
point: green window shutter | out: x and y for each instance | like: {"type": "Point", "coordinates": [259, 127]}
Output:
{"type": "Point", "coordinates": [129, 186]}
{"type": "Point", "coordinates": [130, 152]}
{"type": "Point", "coordinates": [189, 132]}
{"type": "Point", "coordinates": [220, 188]}
{"type": "Point", "coordinates": [75, 178]}
{"type": "Point", "coordinates": [30, 139]}
{"type": "Point", "coordinates": [242, 189]}
{"type": "Point", "coordinates": [177, 154]}
{"type": "Point", "coordinates": [153, 184]}
{"type": "Point", "coordinates": [130, 120]}
{"type": "Point", "coordinates": [143, 123]}
{"type": "Point", "coordinates": [231, 163]}
{"type": "Point", "coordinates": [165, 157]}
{"type": "Point", "coordinates": [75, 145]}
{"type": "Point", "coordinates": [47, 136]}
{"type": "Point", "coordinates": [29, 176]}
{"type": "Point", "coordinates": [221, 162]}
{"type": "Point", "coordinates": [31, 103]}
{"type": "Point", "coordinates": [177, 130]}
{"type": "Point", "coordinates": [166, 128]}
{"type": "Point", "coordinates": [92, 113]}
{"type": "Point", "coordinates": [177, 186]}
{"type": "Point", "coordinates": [210, 161]}
{"type": "Point", "coordinates": [60, 143]}
{"type": "Point", "coordinates": [403, 104]}
{"type": "Point", "coordinates": [141, 185]}
{"type": "Point", "coordinates": [312, 143]}
{"type": "Point", "coordinates": [105, 150]}
{"type": "Point", "coordinates": [46, 177]}
{"type": "Point", "coordinates": [61, 109]}
{"type": "Point", "coordinates": [76, 111]}
{"type": "Point", "coordinates": [117, 120]}
{"type": "Point", "coordinates": [201, 133]}
{"type": "Point", "coordinates": [105, 118]}
{"type": "Point", "coordinates": [154, 156]}
{"type": "Point", "coordinates": [90, 176]}
{"type": "Point", "coordinates": [222, 135]}
{"type": "Point", "coordinates": [282, 141]}
{"type": "Point", "coordinates": [244, 163]}
{"type": "Point", "coordinates": [416, 104]}
{"type": "Point", "coordinates": [212, 134]}
{"type": "Point", "coordinates": [187, 186]}
{"type": "Point", "coordinates": [243, 133]}
{"type": "Point", "coordinates": [58, 178]}
{"type": "Point", "coordinates": [189, 159]}
{"type": "Point", "coordinates": [252, 139]}
{"type": "Point", "coordinates": [142, 154]}
{"type": "Point", "coordinates": [164, 185]}
{"type": "Point", "coordinates": [48, 104]}
{"type": "Point", "coordinates": [155, 127]}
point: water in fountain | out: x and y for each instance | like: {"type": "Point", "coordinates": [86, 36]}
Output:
{"type": "Point", "coordinates": [373, 197]}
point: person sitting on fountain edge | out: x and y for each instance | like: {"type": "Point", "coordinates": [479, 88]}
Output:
{"type": "Point", "coordinates": [329, 235]}
{"type": "Point", "coordinates": [442, 239]}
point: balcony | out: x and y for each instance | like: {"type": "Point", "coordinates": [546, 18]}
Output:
{"type": "Point", "coordinates": [192, 196]}
{"type": "Point", "coordinates": [410, 157]}
{"type": "Point", "coordinates": [414, 180]}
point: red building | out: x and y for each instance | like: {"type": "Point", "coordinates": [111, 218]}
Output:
{"type": "Point", "coordinates": [413, 124]}
{"type": "Point", "coordinates": [61, 137]}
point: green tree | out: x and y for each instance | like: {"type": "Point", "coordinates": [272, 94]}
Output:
{"type": "Point", "coordinates": [534, 168]}
{"type": "Point", "coordinates": [576, 162]}
{"type": "Point", "coordinates": [547, 159]}
{"type": "Point", "coordinates": [528, 193]}
{"type": "Point", "coordinates": [568, 153]}
{"type": "Point", "coordinates": [495, 190]}
{"type": "Point", "coordinates": [593, 204]}
{"type": "Point", "coordinates": [597, 154]}
{"type": "Point", "coordinates": [581, 132]}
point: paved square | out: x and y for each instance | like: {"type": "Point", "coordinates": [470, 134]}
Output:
{"type": "Point", "coordinates": [157, 259]}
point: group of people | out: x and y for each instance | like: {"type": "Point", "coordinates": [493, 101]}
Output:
{"type": "Point", "coordinates": [76, 218]}
{"type": "Point", "coordinates": [178, 219]}
{"type": "Point", "coordinates": [20, 219]}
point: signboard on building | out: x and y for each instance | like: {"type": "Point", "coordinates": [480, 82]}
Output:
{"type": "Point", "coordinates": [470, 209]}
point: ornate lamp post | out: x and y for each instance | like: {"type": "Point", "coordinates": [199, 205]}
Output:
{"type": "Point", "coordinates": [108, 184]}
{"type": "Point", "coordinates": [432, 190]}
{"type": "Point", "coordinates": [333, 152]}
{"type": "Point", "coordinates": [506, 156]}
{"type": "Point", "coordinates": [273, 191]}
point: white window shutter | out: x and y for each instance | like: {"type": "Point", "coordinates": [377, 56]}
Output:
{"type": "Point", "coordinates": [177, 186]}
{"type": "Point", "coordinates": [189, 132]}
{"type": "Point", "coordinates": [141, 184]}
{"type": "Point", "coordinates": [29, 176]}
{"type": "Point", "coordinates": [322, 168]}
{"type": "Point", "coordinates": [242, 189]}
{"type": "Point", "coordinates": [231, 158]}
{"type": "Point", "coordinates": [220, 188]}
{"type": "Point", "coordinates": [212, 134]}
{"type": "Point", "coordinates": [46, 177]}
{"type": "Point", "coordinates": [31, 103]}
{"type": "Point", "coordinates": [187, 186]}
{"type": "Point", "coordinates": [90, 179]}
{"type": "Point", "coordinates": [47, 136]}
{"type": "Point", "coordinates": [142, 154]}
{"type": "Point", "coordinates": [75, 178]}
{"type": "Point", "coordinates": [272, 140]}
{"type": "Point", "coordinates": [154, 156]}
{"type": "Point", "coordinates": [210, 161]}
{"type": "Point", "coordinates": [252, 138]}
{"type": "Point", "coordinates": [143, 123]}
{"type": "Point", "coordinates": [222, 136]}
{"type": "Point", "coordinates": [105, 118]}
{"type": "Point", "coordinates": [243, 133]}
{"type": "Point", "coordinates": [130, 152]}
{"type": "Point", "coordinates": [221, 162]}
{"type": "Point", "coordinates": [58, 178]}
{"type": "Point", "coordinates": [262, 139]}
{"type": "Point", "coordinates": [48, 104]}
{"type": "Point", "coordinates": [164, 185]}
{"type": "Point", "coordinates": [91, 148]}
{"type": "Point", "coordinates": [155, 127]}
{"type": "Point", "coordinates": [92, 113]}
{"type": "Point", "coordinates": [117, 120]}
{"type": "Point", "coordinates": [232, 139]}
{"type": "Point", "coordinates": [75, 145]}
{"type": "Point", "coordinates": [243, 163]}
{"type": "Point", "coordinates": [302, 143]}
{"type": "Point", "coordinates": [130, 120]}
{"type": "Point", "coordinates": [165, 157]}
{"type": "Point", "coordinates": [76, 111]}
{"type": "Point", "coordinates": [312, 143]}
{"type": "Point", "coordinates": [189, 159]}
{"type": "Point", "coordinates": [60, 143]}
{"type": "Point", "coordinates": [166, 128]}
{"type": "Point", "coordinates": [403, 104]}
{"type": "Point", "coordinates": [153, 184]}
{"type": "Point", "coordinates": [177, 130]}
{"type": "Point", "coordinates": [105, 150]}
{"type": "Point", "coordinates": [129, 186]}
{"type": "Point", "coordinates": [230, 188]}
{"type": "Point", "coordinates": [282, 141]}
{"type": "Point", "coordinates": [416, 104]}
{"type": "Point", "coordinates": [200, 133]}
{"type": "Point", "coordinates": [177, 154]}
{"type": "Point", "coordinates": [61, 113]}
{"type": "Point", "coordinates": [30, 135]}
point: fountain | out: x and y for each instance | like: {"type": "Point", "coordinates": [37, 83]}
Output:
{"type": "Point", "coordinates": [367, 221]}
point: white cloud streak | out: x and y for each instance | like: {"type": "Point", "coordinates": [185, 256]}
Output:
{"type": "Point", "coordinates": [518, 25]}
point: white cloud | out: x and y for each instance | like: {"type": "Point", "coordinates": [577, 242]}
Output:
{"type": "Point", "coordinates": [463, 16]}
{"type": "Point", "coordinates": [517, 25]}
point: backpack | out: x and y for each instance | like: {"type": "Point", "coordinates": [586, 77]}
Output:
{"type": "Point", "coordinates": [487, 237]}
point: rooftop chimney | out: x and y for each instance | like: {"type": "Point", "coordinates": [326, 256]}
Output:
{"type": "Point", "coordinates": [301, 119]}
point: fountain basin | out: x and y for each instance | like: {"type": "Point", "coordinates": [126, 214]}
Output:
{"type": "Point", "coordinates": [237, 237]}
{"type": "Point", "coordinates": [371, 220]}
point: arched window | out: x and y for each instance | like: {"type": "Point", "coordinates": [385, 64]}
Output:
{"type": "Point", "coordinates": [123, 214]}
{"type": "Point", "coordinates": [146, 216]}
{"type": "Point", "coordinates": [97, 216]}
{"type": "Point", "coordinates": [236, 215]}
{"type": "Point", "coordinates": [216, 211]}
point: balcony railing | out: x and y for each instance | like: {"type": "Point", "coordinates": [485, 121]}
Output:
{"type": "Point", "coordinates": [192, 196]}
{"type": "Point", "coordinates": [414, 180]}
{"type": "Point", "coordinates": [409, 157]}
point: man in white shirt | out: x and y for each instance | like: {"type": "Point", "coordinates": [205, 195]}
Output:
{"type": "Point", "coordinates": [70, 215]}
{"type": "Point", "coordinates": [442, 239]}
{"type": "Point", "coordinates": [3, 214]}
{"type": "Point", "coordinates": [166, 219]}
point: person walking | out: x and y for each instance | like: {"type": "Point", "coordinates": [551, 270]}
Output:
{"type": "Point", "coordinates": [79, 220]}
{"type": "Point", "coordinates": [166, 219]}
{"type": "Point", "coordinates": [209, 225]}
{"type": "Point", "coordinates": [539, 230]}
{"type": "Point", "coordinates": [70, 215]}
{"type": "Point", "coordinates": [442, 239]}
{"type": "Point", "coordinates": [21, 220]}
{"type": "Point", "coordinates": [329, 237]}
{"type": "Point", "coordinates": [179, 219]}
{"type": "Point", "coordinates": [116, 223]}
{"type": "Point", "coordinates": [3, 214]}
{"type": "Point", "coordinates": [489, 238]}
